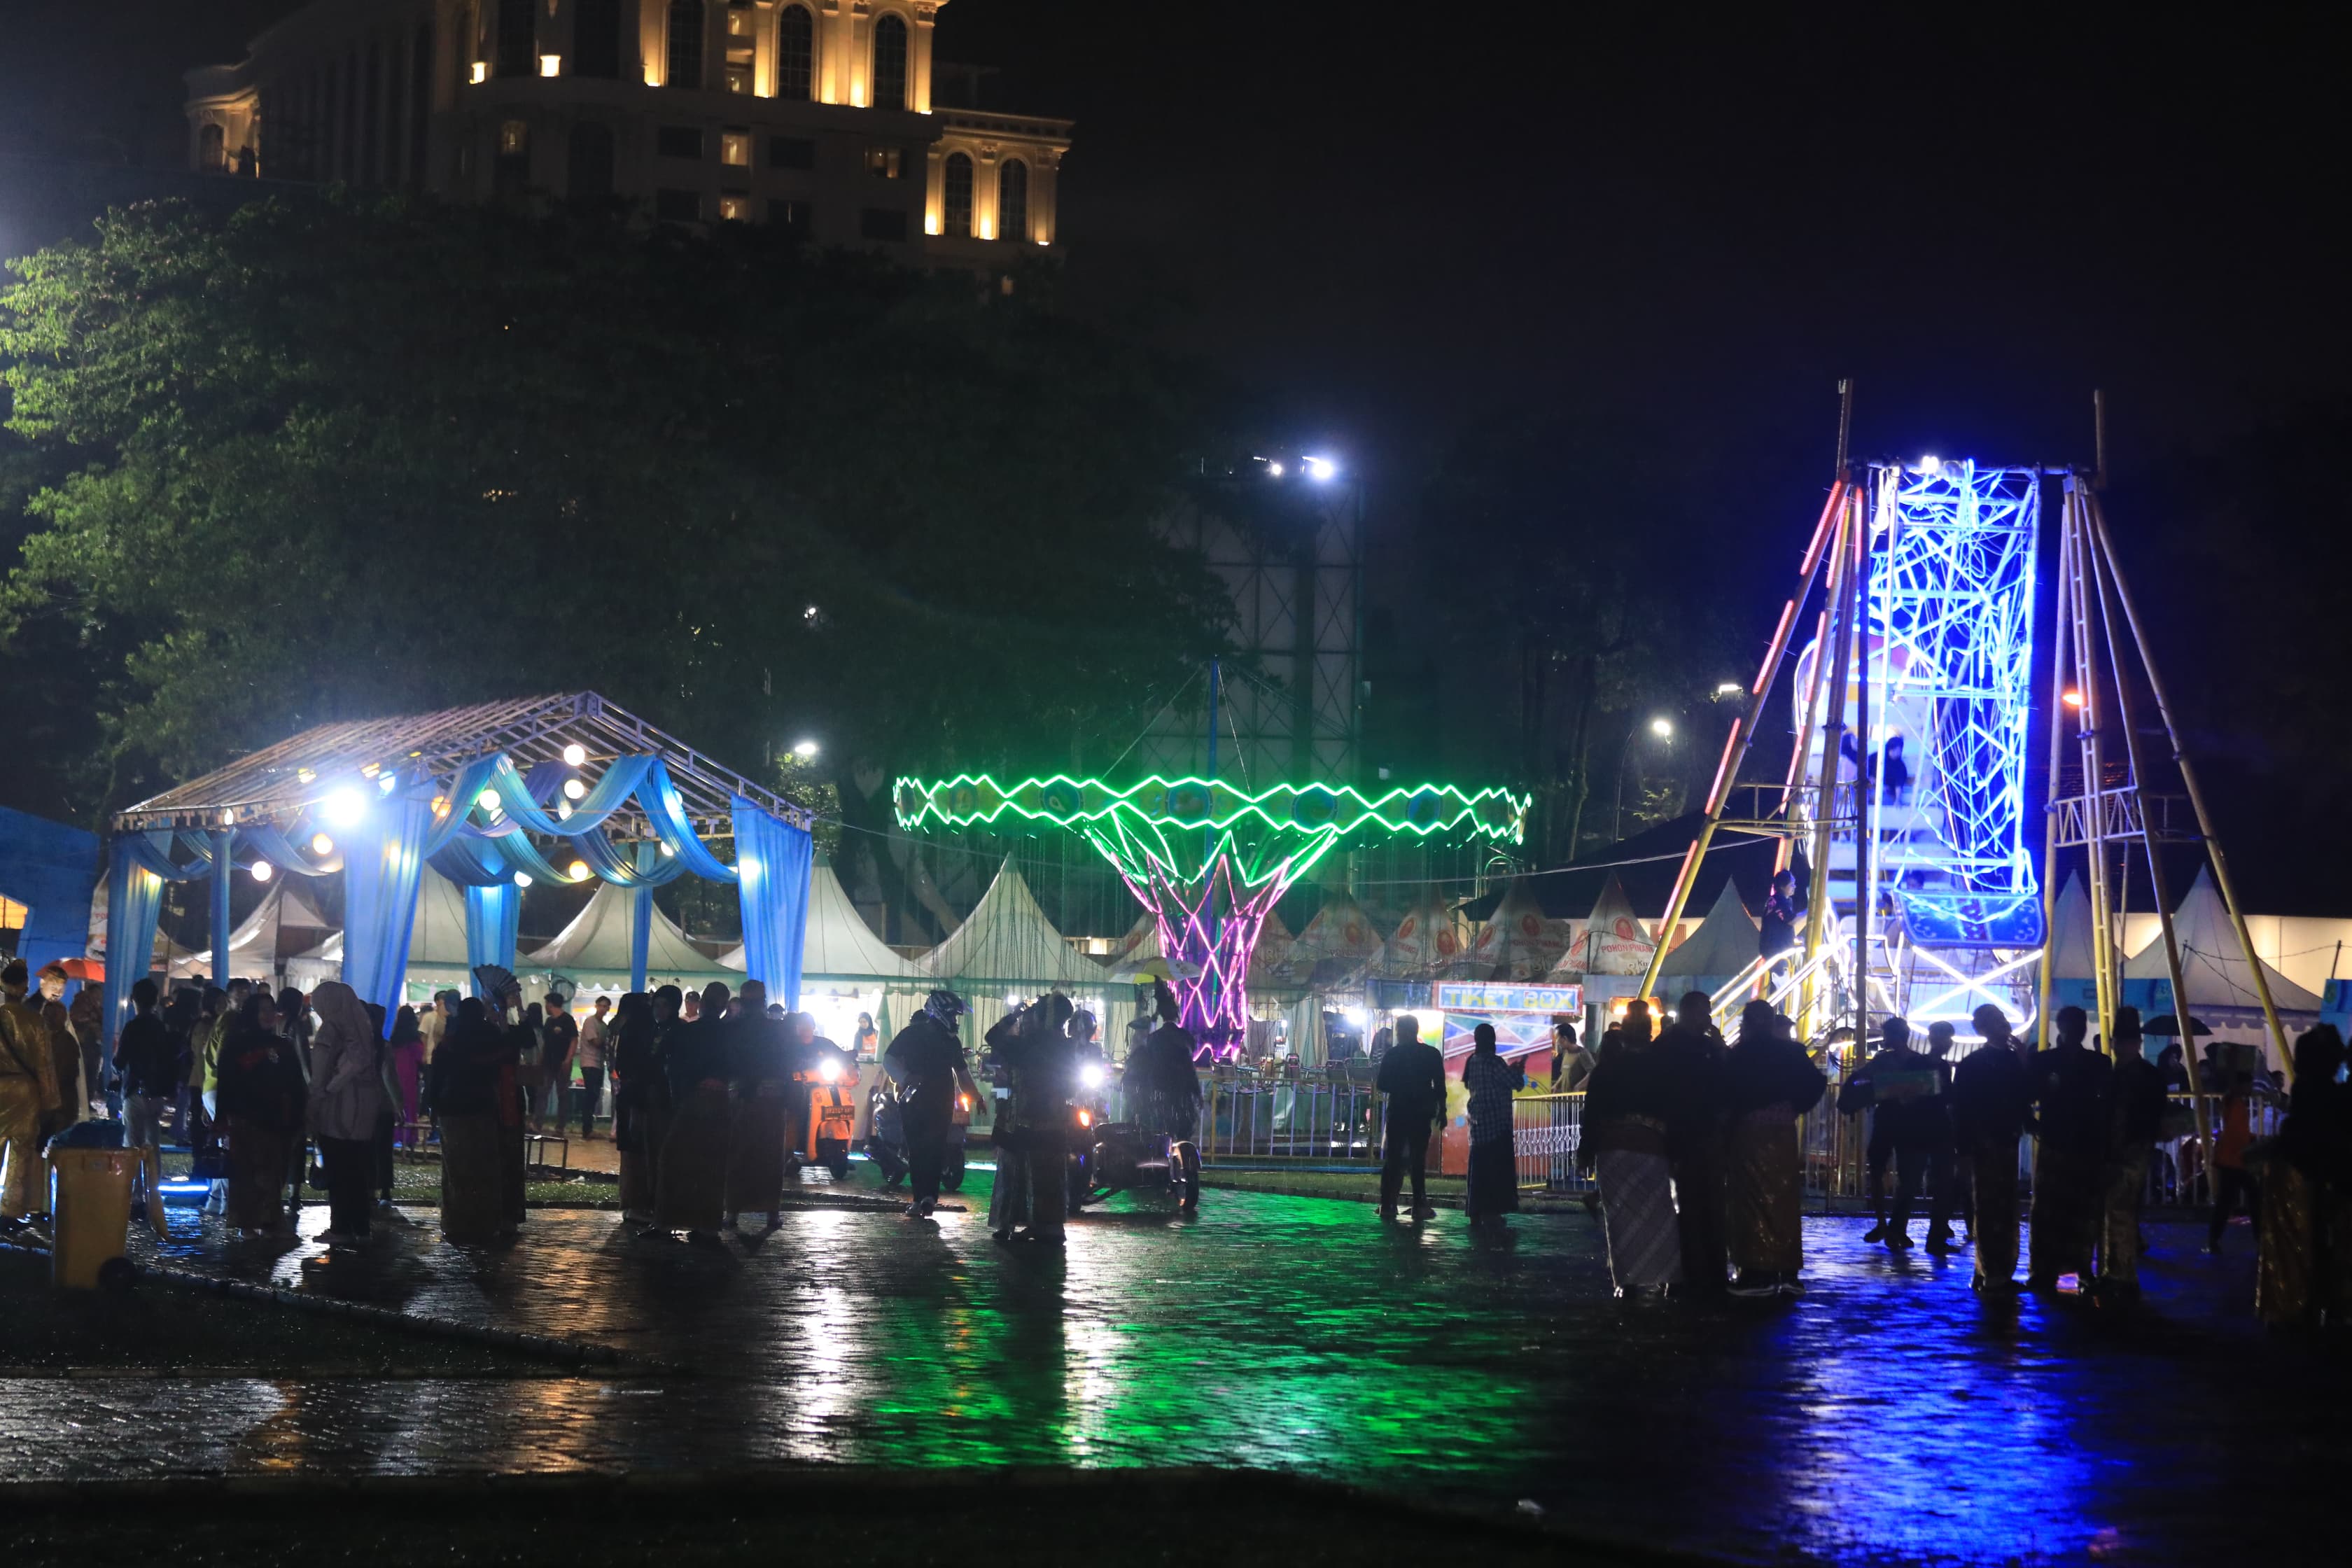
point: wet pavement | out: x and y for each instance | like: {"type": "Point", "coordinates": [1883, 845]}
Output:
{"type": "Point", "coordinates": [1888, 1414]}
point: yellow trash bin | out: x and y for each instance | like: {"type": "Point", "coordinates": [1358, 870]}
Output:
{"type": "Point", "coordinates": [92, 1212]}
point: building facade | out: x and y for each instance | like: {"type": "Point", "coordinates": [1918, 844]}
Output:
{"type": "Point", "coordinates": [813, 115]}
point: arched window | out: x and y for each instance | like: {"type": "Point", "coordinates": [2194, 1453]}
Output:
{"type": "Point", "coordinates": [956, 203]}
{"type": "Point", "coordinates": [890, 63]}
{"type": "Point", "coordinates": [795, 53]}
{"type": "Point", "coordinates": [588, 165]}
{"type": "Point", "coordinates": [1013, 201]}
{"type": "Point", "coordinates": [517, 47]}
{"type": "Point", "coordinates": [684, 67]}
{"type": "Point", "coordinates": [211, 149]}
{"type": "Point", "coordinates": [596, 38]}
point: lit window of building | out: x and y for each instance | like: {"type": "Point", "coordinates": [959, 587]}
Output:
{"type": "Point", "coordinates": [884, 162]}
{"type": "Point", "coordinates": [514, 139]}
{"type": "Point", "coordinates": [734, 206]}
{"type": "Point", "coordinates": [735, 148]}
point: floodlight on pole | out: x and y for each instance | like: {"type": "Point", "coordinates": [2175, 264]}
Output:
{"type": "Point", "coordinates": [1664, 729]}
{"type": "Point", "coordinates": [344, 807]}
{"type": "Point", "coordinates": [806, 750]}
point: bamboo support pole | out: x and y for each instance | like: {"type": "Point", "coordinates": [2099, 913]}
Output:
{"type": "Point", "coordinates": [1832, 727]}
{"type": "Point", "coordinates": [2223, 881]}
{"type": "Point", "coordinates": [2090, 738]}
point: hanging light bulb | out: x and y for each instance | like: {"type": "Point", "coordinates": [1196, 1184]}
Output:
{"type": "Point", "coordinates": [321, 844]}
{"type": "Point", "coordinates": [577, 870]}
{"type": "Point", "coordinates": [344, 807]}
{"type": "Point", "coordinates": [575, 789]}
{"type": "Point", "coordinates": [522, 878]}
{"type": "Point", "coordinates": [667, 851]}
{"type": "Point", "coordinates": [575, 753]}
{"type": "Point", "coordinates": [488, 801]}
{"type": "Point", "coordinates": [261, 871]}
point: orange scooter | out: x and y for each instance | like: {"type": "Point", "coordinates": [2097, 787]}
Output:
{"type": "Point", "coordinates": [824, 1089]}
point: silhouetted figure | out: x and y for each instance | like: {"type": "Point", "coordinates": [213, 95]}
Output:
{"type": "Point", "coordinates": [2306, 1233]}
{"type": "Point", "coordinates": [2071, 1085]}
{"type": "Point", "coordinates": [1691, 1058]}
{"type": "Point", "coordinates": [1626, 1103]}
{"type": "Point", "coordinates": [1412, 1075]}
{"type": "Point", "coordinates": [1992, 1105]}
{"type": "Point", "coordinates": [1769, 1083]}
{"type": "Point", "coordinates": [2135, 1120]}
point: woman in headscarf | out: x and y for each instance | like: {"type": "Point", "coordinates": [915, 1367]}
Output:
{"type": "Point", "coordinates": [1625, 1138]}
{"type": "Point", "coordinates": [758, 1062]}
{"type": "Point", "coordinates": [468, 1096]}
{"type": "Point", "coordinates": [1490, 1081]}
{"type": "Point", "coordinates": [1769, 1084]}
{"type": "Point", "coordinates": [639, 1099]}
{"type": "Point", "coordinates": [2296, 1279]}
{"type": "Point", "coordinates": [346, 1095]}
{"type": "Point", "coordinates": [690, 1195]}
{"type": "Point", "coordinates": [408, 1070]}
{"type": "Point", "coordinates": [258, 1090]}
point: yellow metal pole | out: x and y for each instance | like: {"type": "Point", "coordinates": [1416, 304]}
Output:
{"type": "Point", "coordinates": [2058, 656]}
{"type": "Point", "coordinates": [2222, 880]}
{"type": "Point", "coordinates": [1743, 732]}
{"type": "Point", "coordinates": [1832, 726]}
{"type": "Point", "coordinates": [2088, 735]}
{"type": "Point", "coordinates": [2102, 577]}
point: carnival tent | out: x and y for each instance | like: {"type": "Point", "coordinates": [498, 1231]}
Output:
{"type": "Point", "coordinates": [1714, 955]}
{"type": "Point", "coordinates": [1006, 950]}
{"type": "Point", "coordinates": [1340, 940]}
{"type": "Point", "coordinates": [596, 948]}
{"type": "Point", "coordinates": [847, 970]}
{"type": "Point", "coordinates": [285, 924]}
{"type": "Point", "coordinates": [1613, 942]}
{"type": "Point", "coordinates": [1517, 941]}
{"type": "Point", "coordinates": [436, 946]}
{"type": "Point", "coordinates": [2221, 985]}
{"type": "Point", "coordinates": [1431, 935]}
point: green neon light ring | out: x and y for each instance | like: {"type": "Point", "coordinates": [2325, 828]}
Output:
{"type": "Point", "coordinates": [1193, 804]}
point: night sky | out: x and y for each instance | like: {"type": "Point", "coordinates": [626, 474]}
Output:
{"type": "Point", "coordinates": [1685, 225]}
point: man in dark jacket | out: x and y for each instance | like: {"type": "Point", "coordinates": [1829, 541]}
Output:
{"type": "Point", "coordinates": [926, 1061]}
{"type": "Point", "coordinates": [1163, 1092]}
{"type": "Point", "coordinates": [2071, 1083]}
{"type": "Point", "coordinates": [1992, 1105]}
{"type": "Point", "coordinates": [1412, 1075]}
{"type": "Point", "coordinates": [1900, 1088]}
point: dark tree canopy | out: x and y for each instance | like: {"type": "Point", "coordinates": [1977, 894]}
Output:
{"type": "Point", "coordinates": [333, 458]}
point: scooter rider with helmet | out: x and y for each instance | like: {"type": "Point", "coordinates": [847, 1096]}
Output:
{"type": "Point", "coordinates": [925, 1060]}
{"type": "Point", "coordinates": [1163, 1092]}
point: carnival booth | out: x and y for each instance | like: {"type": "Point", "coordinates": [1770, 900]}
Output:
{"type": "Point", "coordinates": [492, 797]}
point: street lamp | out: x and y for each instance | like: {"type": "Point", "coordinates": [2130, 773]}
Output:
{"type": "Point", "coordinates": [1664, 729]}
{"type": "Point", "coordinates": [806, 750]}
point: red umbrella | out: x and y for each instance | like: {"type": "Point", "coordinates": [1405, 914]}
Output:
{"type": "Point", "coordinates": [88, 971]}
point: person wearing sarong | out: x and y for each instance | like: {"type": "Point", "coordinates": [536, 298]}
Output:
{"type": "Point", "coordinates": [926, 1061]}
{"type": "Point", "coordinates": [2071, 1085]}
{"type": "Point", "coordinates": [1769, 1083]}
{"type": "Point", "coordinates": [1040, 1061]}
{"type": "Point", "coordinates": [2135, 1120]}
{"type": "Point", "coordinates": [639, 1099]}
{"type": "Point", "coordinates": [1626, 1103]}
{"type": "Point", "coordinates": [690, 1193]}
{"type": "Point", "coordinates": [466, 1072]}
{"type": "Point", "coordinates": [29, 1096]}
{"type": "Point", "coordinates": [259, 1091]}
{"type": "Point", "coordinates": [1161, 1088]}
{"type": "Point", "coordinates": [1690, 1053]}
{"type": "Point", "coordinates": [1952, 1181]}
{"type": "Point", "coordinates": [347, 1094]}
{"type": "Point", "coordinates": [1993, 1104]}
{"type": "Point", "coordinates": [755, 1150]}
{"type": "Point", "coordinates": [1490, 1081]}
{"type": "Point", "coordinates": [2298, 1277]}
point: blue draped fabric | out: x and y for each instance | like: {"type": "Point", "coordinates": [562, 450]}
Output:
{"type": "Point", "coordinates": [134, 899]}
{"type": "Point", "coordinates": [223, 860]}
{"type": "Point", "coordinates": [472, 862]}
{"type": "Point", "coordinates": [649, 868]}
{"type": "Point", "coordinates": [384, 858]}
{"type": "Point", "coordinates": [154, 852]}
{"type": "Point", "coordinates": [641, 932]}
{"type": "Point", "coordinates": [771, 863]}
{"type": "Point", "coordinates": [274, 847]}
{"type": "Point", "coordinates": [493, 916]}
{"type": "Point", "coordinates": [522, 808]}
{"type": "Point", "coordinates": [659, 799]}
{"type": "Point", "coordinates": [471, 780]}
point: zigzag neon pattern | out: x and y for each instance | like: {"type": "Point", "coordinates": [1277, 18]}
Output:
{"type": "Point", "coordinates": [1209, 859]}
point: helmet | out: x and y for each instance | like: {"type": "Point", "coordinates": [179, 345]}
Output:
{"type": "Point", "coordinates": [945, 1006]}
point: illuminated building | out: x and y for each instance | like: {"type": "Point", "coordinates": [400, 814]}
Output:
{"type": "Point", "coordinates": [816, 115]}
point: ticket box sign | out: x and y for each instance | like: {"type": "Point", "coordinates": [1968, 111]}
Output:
{"type": "Point", "coordinates": [1499, 996]}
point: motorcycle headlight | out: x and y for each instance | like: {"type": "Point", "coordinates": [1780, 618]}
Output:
{"type": "Point", "coordinates": [1086, 1118]}
{"type": "Point", "coordinates": [830, 1071]}
{"type": "Point", "coordinates": [1094, 1075]}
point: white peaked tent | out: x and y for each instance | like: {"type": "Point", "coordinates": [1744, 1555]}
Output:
{"type": "Point", "coordinates": [595, 947]}
{"type": "Point", "coordinates": [1614, 942]}
{"type": "Point", "coordinates": [257, 946]}
{"type": "Point", "coordinates": [1714, 955]}
{"type": "Point", "coordinates": [839, 941]}
{"type": "Point", "coordinates": [1518, 940]}
{"type": "Point", "coordinates": [169, 958]}
{"type": "Point", "coordinates": [437, 944]}
{"type": "Point", "coordinates": [2070, 955]}
{"type": "Point", "coordinates": [1270, 960]}
{"type": "Point", "coordinates": [1007, 938]}
{"type": "Point", "coordinates": [2211, 965]}
{"type": "Point", "coordinates": [1431, 935]}
{"type": "Point", "coordinates": [1340, 932]}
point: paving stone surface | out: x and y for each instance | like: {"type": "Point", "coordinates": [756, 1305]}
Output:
{"type": "Point", "coordinates": [1888, 1414]}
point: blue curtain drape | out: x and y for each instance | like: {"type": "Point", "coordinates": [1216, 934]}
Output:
{"type": "Point", "coordinates": [641, 932]}
{"type": "Point", "coordinates": [772, 865]}
{"type": "Point", "coordinates": [134, 899]}
{"type": "Point", "coordinates": [223, 860]}
{"type": "Point", "coordinates": [274, 847]}
{"type": "Point", "coordinates": [383, 859]}
{"type": "Point", "coordinates": [493, 917]}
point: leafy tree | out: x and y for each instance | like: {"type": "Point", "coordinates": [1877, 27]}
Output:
{"type": "Point", "coordinates": [341, 457]}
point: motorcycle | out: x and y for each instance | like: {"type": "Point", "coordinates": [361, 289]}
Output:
{"type": "Point", "coordinates": [1110, 1157]}
{"type": "Point", "coordinates": [825, 1090]}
